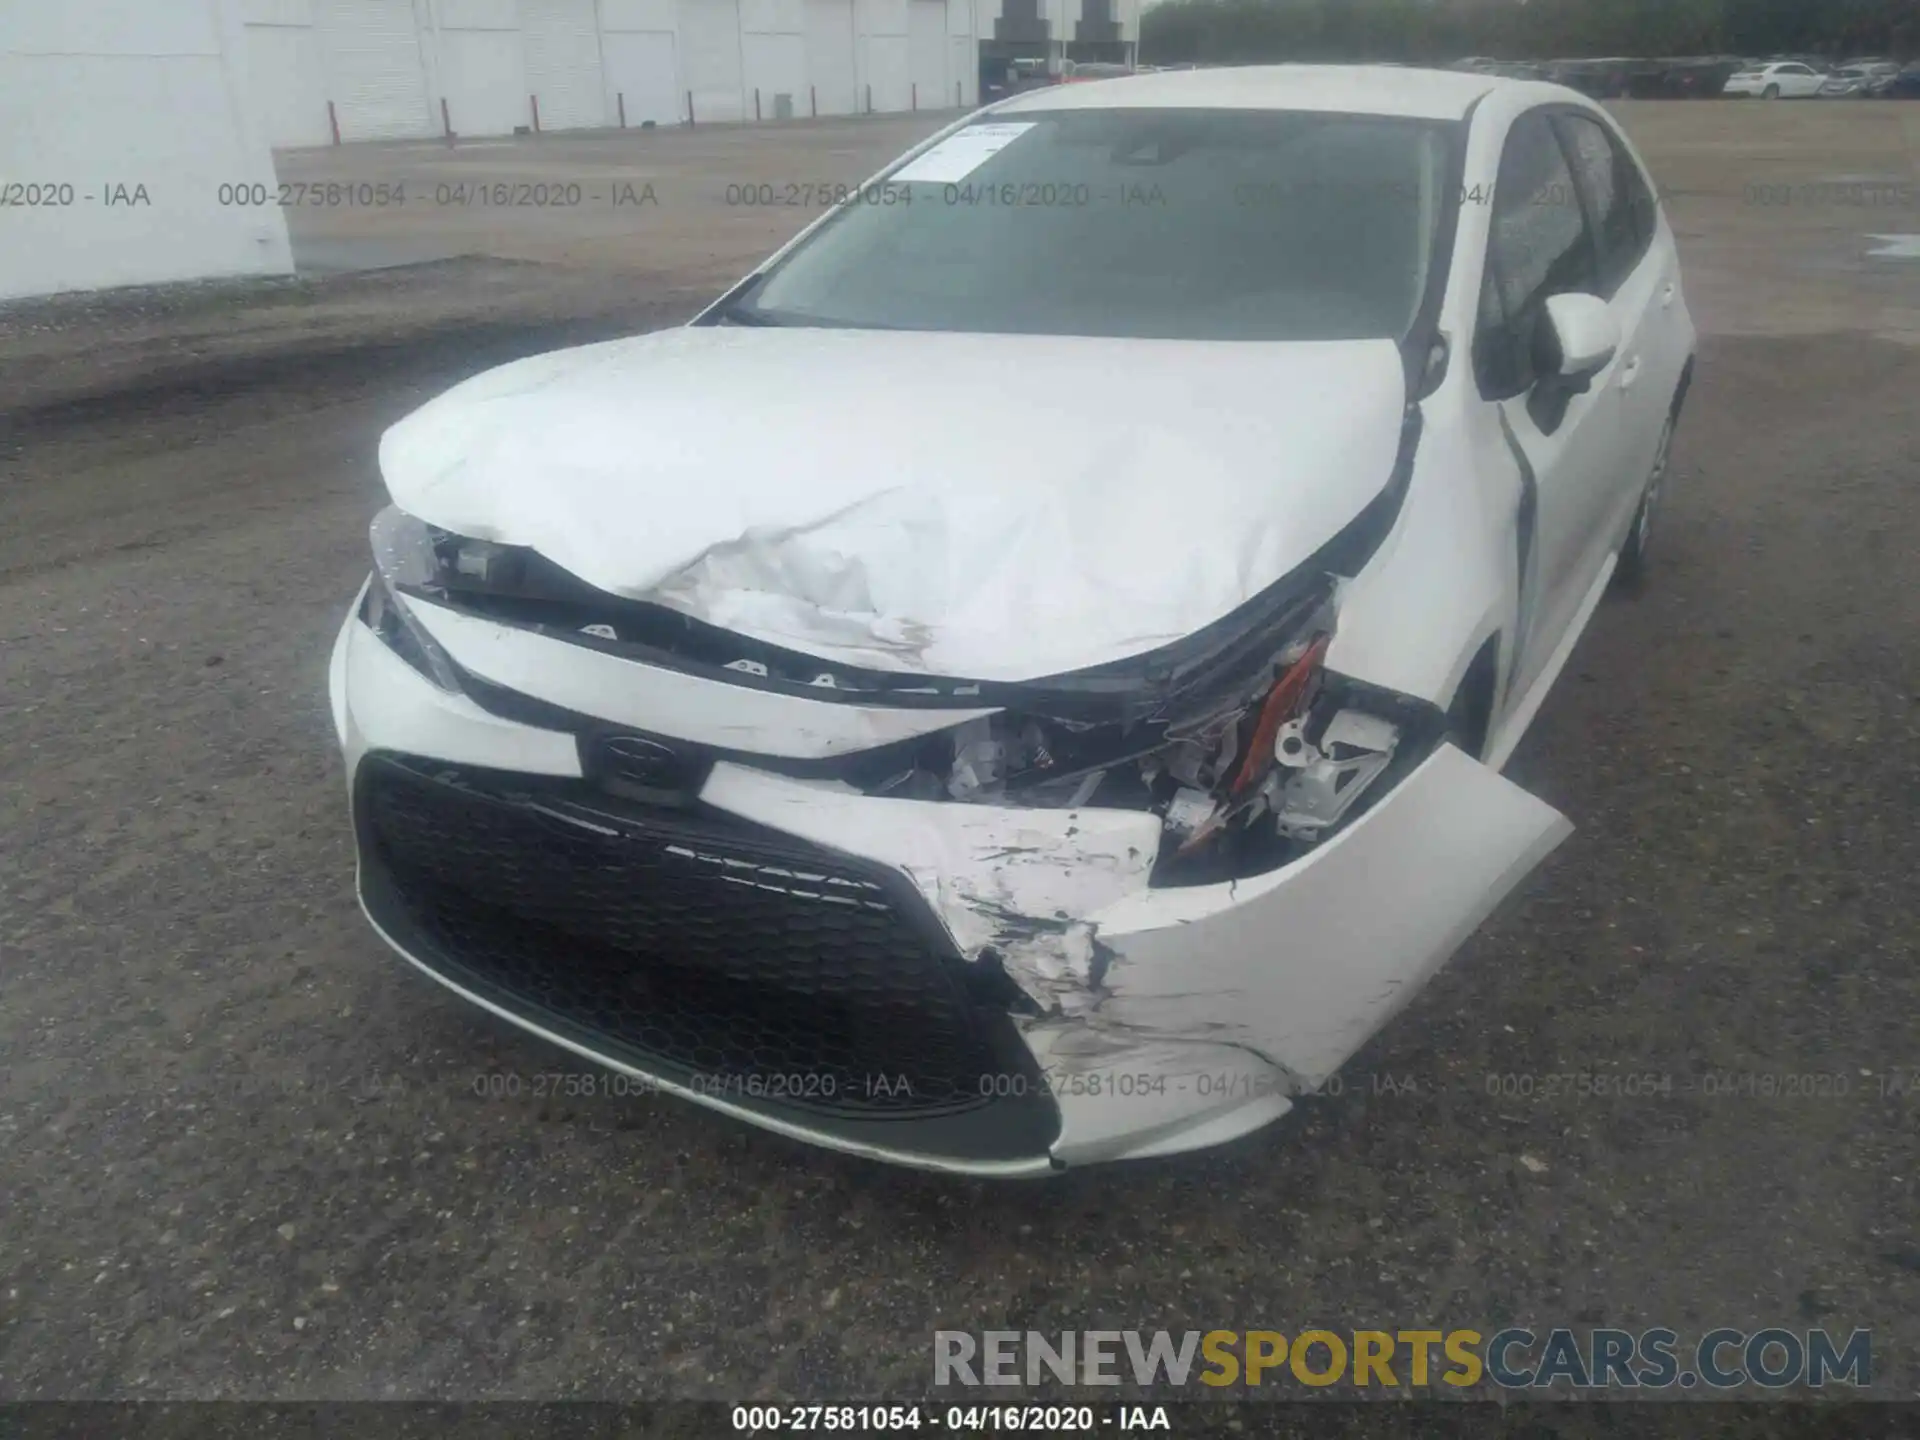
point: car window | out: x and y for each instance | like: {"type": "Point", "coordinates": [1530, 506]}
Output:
{"type": "Point", "coordinates": [1538, 247]}
{"type": "Point", "coordinates": [1139, 223]}
{"type": "Point", "coordinates": [1617, 200]}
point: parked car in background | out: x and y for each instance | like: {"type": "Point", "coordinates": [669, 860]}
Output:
{"type": "Point", "coordinates": [1078, 72]}
{"type": "Point", "coordinates": [1880, 76]}
{"type": "Point", "coordinates": [1847, 83]}
{"type": "Point", "coordinates": [1597, 79]}
{"type": "Point", "coordinates": [1776, 80]}
{"type": "Point", "coordinates": [1905, 85]}
{"type": "Point", "coordinates": [1002, 79]}
{"type": "Point", "coordinates": [1699, 77]}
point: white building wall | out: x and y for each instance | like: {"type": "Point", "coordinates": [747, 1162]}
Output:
{"type": "Point", "coordinates": [774, 51]}
{"type": "Point", "coordinates": [640, 52]}
{"type": "Point", "coordinates": [282, 44]}
{"type": "Point", "coordinates": [830, 64]}
{"type": "Point", "coordinates": [881, 54]}
{"type": "Point", "coordinates": [562, 40]}
{"type": "Point", "coordinates": [963, 56]}
{"type": "Point", "coordinates": [927, 54]}
{"type": "Point", "coordinates": [120, 120]}
{"type": "Point", "coordinates": [477, 65]}
{"type": "Point", "coordinates": [374, 68]}
{"type": "Point", "coordinates": [385, 66]}
{"type": "Point", "coordinates": [712, 63]}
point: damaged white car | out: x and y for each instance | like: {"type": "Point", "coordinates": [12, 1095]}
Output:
{"type": "Point", "coordinates": [1022, 679]}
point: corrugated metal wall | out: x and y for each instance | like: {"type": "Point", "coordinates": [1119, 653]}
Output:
{"type": "Point", "coordinates": [563, 62]}
{"type": "Point", "coordinates": [885, 67]}
{"type": "Point", "coordinates": [927, 53]}
{"type": "Point", "coordinates": [710, 59]}
{"type": "Point", "coordinates": [370, 52]}
{"type": "Point", "coordinates": [643, 76]}
{"type": "Point", "coordinates": [386, 65]}
{"type": "Point", "coordinates": [640, 53]}
{"type": "Point", "coordinates": [484, 80]}
{"type": "Point", "coordinates": [830, 68]}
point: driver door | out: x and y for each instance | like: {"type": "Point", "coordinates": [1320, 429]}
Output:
{"type": "Point", "coordinates": [1800, 81]}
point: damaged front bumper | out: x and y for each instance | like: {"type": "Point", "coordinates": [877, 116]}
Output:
{"type": "Point", "coordinates": [957, 986]}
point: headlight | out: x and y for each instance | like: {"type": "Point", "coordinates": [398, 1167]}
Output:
{"type": "Point", "coordinates": [403, 555]}
{"type": "Point", "coordinates": [1245, 775]}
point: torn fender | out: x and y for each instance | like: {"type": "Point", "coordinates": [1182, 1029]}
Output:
{"type": "Point", "coordinates": [1301, 966]}
{"type": "Point", "coordinates": [1292, 970]}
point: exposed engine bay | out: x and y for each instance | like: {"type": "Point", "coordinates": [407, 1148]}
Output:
{"type": "Point", "coordinates": [1246, 748]}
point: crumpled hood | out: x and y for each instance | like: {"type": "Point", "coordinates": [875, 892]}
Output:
{"type": "Point", "coordinates": [997, 507]}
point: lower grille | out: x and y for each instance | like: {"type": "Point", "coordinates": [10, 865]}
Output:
{"type": "Point", "coordinates": [749, 965]}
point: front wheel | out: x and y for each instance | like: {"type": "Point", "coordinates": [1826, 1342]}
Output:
{"type": "Point", "coordinates": [1632, 569]}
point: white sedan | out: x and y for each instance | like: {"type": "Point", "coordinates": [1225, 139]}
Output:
{"type": "Point", "coordinates": [1781, 80]}
{"type": "Point", "coordinates": [1023, 679]}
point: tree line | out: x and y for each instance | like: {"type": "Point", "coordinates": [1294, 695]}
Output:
{"type": "Point", "coordinates": [1426, 31]}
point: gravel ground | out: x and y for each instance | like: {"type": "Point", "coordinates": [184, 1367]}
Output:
{"type": "Point", "coordinates": [241, 1148]}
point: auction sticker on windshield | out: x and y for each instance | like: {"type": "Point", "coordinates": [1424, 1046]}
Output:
{"type": "Point", "coordinates": [961, 153]}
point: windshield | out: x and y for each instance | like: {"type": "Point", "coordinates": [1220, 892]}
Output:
{"type": "Point", "coordinates": [1175, 224]}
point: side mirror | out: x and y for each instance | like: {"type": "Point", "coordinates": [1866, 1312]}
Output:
{"type": "Point", "coordinates": [1578, 337]}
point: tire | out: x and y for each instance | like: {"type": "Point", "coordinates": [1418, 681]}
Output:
{"type": "Point", "coordinates": [1631, 571]}
{"type": "Point", "coordinates": [1772, 92]}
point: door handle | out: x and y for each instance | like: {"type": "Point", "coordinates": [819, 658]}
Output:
{"type": "Point", "coordinates": [1668, 293]}
{"type": "Point", "coordinates": [1629, 374]}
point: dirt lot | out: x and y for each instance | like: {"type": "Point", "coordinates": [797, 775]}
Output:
{"type": "Point", "coordinates": [241, 1149]}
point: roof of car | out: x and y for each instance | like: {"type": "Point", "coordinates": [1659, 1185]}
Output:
{"type": "Point", "coordinates": [1343, 89]}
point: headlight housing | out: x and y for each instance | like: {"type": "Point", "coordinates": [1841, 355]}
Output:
{"type": "Point", "coordinates": [403, 555]}
{"type": "Point", "coordinates": [1246, 774]}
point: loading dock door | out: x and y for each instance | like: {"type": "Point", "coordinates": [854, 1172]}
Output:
{"type": "Point", "coordinates": [830, 55]}
{"type": "Point", "coordinates": [563, 63]}
{"type": "Point", "coordinates": [486, 85]}
{"type": "Point", "coordinates": [371, 60]}
{"type": "Point", "coordinates": [887, 73]}
{"type": "Point", "coordinates": [927, 47]}
{"type": "Point", "coordinates": [710, 57]}
{"type": "Point", "coordinates": [963, 73]}
{"type": "Point", "coordinates": [641, 66]}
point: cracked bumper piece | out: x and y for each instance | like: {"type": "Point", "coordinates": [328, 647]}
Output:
{"type": "Point", "coordinates": [958, 987]}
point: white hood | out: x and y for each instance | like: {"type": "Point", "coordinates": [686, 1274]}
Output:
{"type": "Point", "coordinates": [999, 507]}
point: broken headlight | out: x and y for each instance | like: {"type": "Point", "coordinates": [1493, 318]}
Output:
{"type": "Point", "coordinates": [1245, 771]}
{"type": "Point", "coordinates": [1334, 747]}
{"type": "Point", "coordinates": [403, 555]}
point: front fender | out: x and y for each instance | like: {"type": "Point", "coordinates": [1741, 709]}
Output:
{"type": "Point", "coordinates": [1446, 579]}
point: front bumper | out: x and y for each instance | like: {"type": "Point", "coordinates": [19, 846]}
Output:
{"type": "Point", "coordinates": [1046, 1004]}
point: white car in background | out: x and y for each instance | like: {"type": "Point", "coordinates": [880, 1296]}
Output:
{"type": "Point", "coordinates": [1863, 80]}
{"type": "Point", "coordinates": [1846, 83]}
{"type": "Point", "coordinates": [1780, 80]}
{"type": "Point", "coordinates": [1023, 679]}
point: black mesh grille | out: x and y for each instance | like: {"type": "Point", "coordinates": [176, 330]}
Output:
{"type": "Point", "coordinates": [694, 945]}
